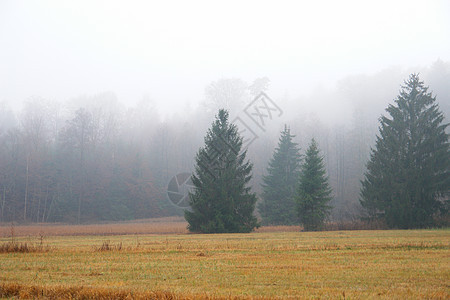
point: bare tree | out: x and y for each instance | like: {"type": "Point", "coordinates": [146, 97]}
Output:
{"type": "Point", "coordinates": [78, 134]}
{"type": "Point", "coordinates": [230, 94]}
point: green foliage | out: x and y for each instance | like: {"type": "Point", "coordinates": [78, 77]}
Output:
{"type": "Point", "coordinates": [221, 200]}
{"type": "Point", "coordinates": [408, 172]}
{"type": "Point", "coordinates": [313, 192]}
{"type": "Point", "coordinates": [278, 205]}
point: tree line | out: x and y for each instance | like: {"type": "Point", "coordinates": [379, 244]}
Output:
{"type": "Point", "coordinates": [84, 164]}
{"type": "Point", "coordinates": [406, 184]}
{"type": "Point", "coordinates": [94, 159]}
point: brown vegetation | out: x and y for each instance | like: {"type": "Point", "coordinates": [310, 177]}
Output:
{"type": "Point", "coordinates": [355, 225]}
{"type": "Point", "coordinates": [11, 247]}
{"type": "Point", "coordinates": [330, 226]}
{"type": "Point", "coordinates": [387, 264]}
{"type": "Point", "coordinates": [168, 225]}
{"type": "Point", "coordinates": [108, 246]}
{"type": "Point", "coordinates": [82, 292]}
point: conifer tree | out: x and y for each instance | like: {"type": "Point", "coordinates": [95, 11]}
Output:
{"type": "Point", "coordinates": [279, 185]}
{"type": "Point", "coordinates": [408, 171]}
{"type": "Point", "coordinates": [313, 192]}
{"type": "Point", "coordinates": [221, 200]}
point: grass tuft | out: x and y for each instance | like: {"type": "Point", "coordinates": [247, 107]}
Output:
{"type": "Point", "coordinates": [108, 246]}
{"type": "Point", "coordinates": [15, 247]}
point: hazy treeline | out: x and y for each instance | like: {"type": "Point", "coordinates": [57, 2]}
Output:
{"type": "Point", "coordinates": [94, 158]}
{"type": "Point", "coordinates": [91, 159]}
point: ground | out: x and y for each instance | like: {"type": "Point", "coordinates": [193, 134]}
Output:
{"type": "Point", "coordinates": [268, 264]}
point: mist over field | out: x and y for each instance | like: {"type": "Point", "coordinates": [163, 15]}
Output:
{"type": "Point", "coordinates": [102, 103]}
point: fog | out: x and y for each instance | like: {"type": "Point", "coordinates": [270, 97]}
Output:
{"type": "Point", "coordinates": [170, 51]}
{"type": "Point", "coordinates": [148, 78]}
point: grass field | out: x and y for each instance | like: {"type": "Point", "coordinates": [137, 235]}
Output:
{"type": "Point", "coordinates": [340, 264]}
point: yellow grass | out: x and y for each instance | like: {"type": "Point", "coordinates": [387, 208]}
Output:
{"type": "Point", "coordinates": [336, 265]}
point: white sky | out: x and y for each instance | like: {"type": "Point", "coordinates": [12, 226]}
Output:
{"type": "Point", "coordinates": [170, 50]}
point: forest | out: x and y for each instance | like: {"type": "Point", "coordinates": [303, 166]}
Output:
{"type": "Point", "coordinates": [94, 159]}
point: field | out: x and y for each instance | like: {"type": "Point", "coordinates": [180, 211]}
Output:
{"type": "Point", "coordinates": [274, 262]}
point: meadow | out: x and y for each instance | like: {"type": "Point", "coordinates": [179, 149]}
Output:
{"type": "Point", "coordinates": [165, 262]}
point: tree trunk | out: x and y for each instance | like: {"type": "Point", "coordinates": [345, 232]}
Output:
{"type": "Point", "coordinates": [3, 202]}
{"type": "Point", "coordinates": [26, 190]}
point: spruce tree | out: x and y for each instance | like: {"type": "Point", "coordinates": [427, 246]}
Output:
{"type": "Point", "coordinates": [279, 185]}
{"type": "Point", "coordinates": [408, 171]}
{"type": "Point", "coordinates": [221, 200]}
{"type": "Point", "coordinates": [313, 192]}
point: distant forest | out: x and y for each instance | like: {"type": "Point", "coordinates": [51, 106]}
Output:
{"type": "Point", "coordinates": [94, 159]}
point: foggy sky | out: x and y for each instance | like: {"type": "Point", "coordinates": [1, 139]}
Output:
{"type": "Point", "coordinates": [171, 50]}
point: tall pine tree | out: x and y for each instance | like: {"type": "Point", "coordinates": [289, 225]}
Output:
{"type": "Point", "coordinates": [313, 192]}
{"type": "Point", "coordinates": [221, 200]}
{"type": "Point", "coordinates": [279, 185]}
{"type": "Point", "coordinates": [408, 172]}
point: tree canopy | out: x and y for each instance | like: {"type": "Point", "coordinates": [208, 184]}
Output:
{"type": "Point", "coordinates": [279, 185]}
{"type": "Point", "coordinates": [313, 192]}
{"type": "Point", "coordinates": [221, 200]}
{"type": "Point", "coordinates": [407, 175]}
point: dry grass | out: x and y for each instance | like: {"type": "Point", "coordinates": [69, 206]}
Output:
{"type": "Point", "coordinates": [81, 292]}
{"type": "Point", "coordinates": [279, 228]}
{"type": "Point", "coordinates": [341, 264]}
{"type": "Point", "coordinates": [108, 246]}
{"type": "Point", "coordinates": [355, 225]}
{"type": "Point", "coordinates": [169, 225]}
{"type": "Point", "coordinates": [11, 247]}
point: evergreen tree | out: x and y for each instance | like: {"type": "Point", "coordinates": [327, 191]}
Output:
{"type": "Point", "coordinates": [279, 186]}
{"type": "Point", "coordinates": [313, 192]}
{"type": "Point", "coordinates": [221, 200]}
{"type": "Point", "coordinates": [408, 171]}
